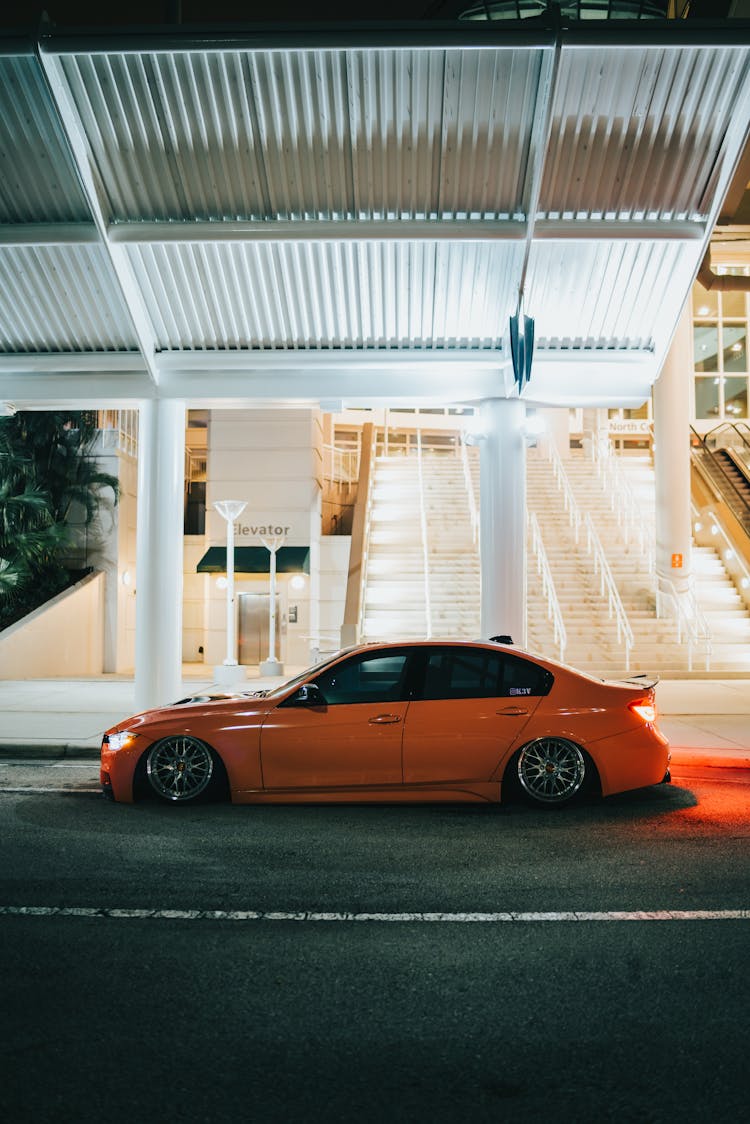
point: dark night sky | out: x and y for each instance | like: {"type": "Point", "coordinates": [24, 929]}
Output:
{"type": "Point", "coordinates": [94, 13]}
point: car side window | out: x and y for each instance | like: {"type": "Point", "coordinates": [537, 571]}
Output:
{"type": "Point", "coordinates": [462, 673]}
{"type": "Point", "coordinates": [522, 677]}
{"type": "Point", "coordinates": [479, 673]}
{"type": "Point", "coordinates": [378, 677]}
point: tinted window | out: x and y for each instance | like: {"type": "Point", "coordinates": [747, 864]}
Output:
{"type": "Point", "coordinates": [477, 673]}
{"type": "Point", "coordinates": [371, 678]}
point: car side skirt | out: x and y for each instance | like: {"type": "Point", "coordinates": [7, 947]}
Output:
{"type": "Point", "coordinates": [474, 793]}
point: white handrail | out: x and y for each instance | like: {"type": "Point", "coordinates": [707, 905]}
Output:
{"type": "Point", "coordinates": [622, 499]}
{"type": "Point", "coordinates": [340, 464]}
{"type": "Point", "coordinates": [689, 618]}
{"type": "Point", "coordinates": [425, 553]}
{"type": "Point", "coordinates": [607, 583]}
{"type": "Point", "coordinates": [554, 612]}
{"type": "Point", "coordinates": [569, 500]}
{"type": "Point", "coordinates": [473, 513]}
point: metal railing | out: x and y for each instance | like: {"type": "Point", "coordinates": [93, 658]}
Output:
{"type": "Point", "coordinates": [554, 612]}
{"type": "Point", "coordinates": [563, 483]}
{"type": "Point", "coordinates": [340, 465]}
{"type": "Point", "coordinates": [119, 430]}
{"type": "Point", "coordinates": [623, 501]}
{"type": "Point", "coordinates": [608, 587]}
{"type": "Point", "coordinates": [691, 625]}
{"type": "Point", "coordinates": [425, 552]}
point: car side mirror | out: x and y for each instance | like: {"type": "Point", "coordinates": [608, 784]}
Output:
{"type": "Point", "coordinates": [309, 694]}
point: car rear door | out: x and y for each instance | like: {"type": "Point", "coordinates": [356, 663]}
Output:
{"type": "Point", "coordinates": [470, 705]}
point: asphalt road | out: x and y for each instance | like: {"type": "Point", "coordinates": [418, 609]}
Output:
{"type": "Point", "coordinates": [419, 1013]}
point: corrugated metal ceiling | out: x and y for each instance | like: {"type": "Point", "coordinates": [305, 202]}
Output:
{"type": "Point", "coordinates": [325, 134]}
{"type": "Point", "coordinates": [329, 294]}
{"type": "Point", "coordinates": [419, 133]}
{"type": "Point", "coordinates": [38, 181]}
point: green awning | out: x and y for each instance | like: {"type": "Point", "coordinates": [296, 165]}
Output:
{"type": "Point", "coordinates": [256, 560]}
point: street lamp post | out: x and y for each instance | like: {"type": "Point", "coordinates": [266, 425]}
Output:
{"type": "Point", "coordinates": [272, 666]}
{"type": "Point", "coordinates": [229, 510]}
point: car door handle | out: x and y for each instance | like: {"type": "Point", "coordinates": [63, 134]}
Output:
{"type": "Point", "coordinates": [511, 711]}
{"type": "Point", "coordinates": [384, 719]}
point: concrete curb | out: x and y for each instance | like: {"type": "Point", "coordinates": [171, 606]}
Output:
{"type": "Point", "coordinates": [49, 750]}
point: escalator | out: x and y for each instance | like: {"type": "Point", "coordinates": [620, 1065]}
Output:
{"type": "Point", "coordinates": [723, 457]}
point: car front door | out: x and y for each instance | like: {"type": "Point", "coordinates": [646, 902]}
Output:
{"type": "Point", "coordinates": [472, 704]}
{"type": "Point", "coordinates": [351, 738]}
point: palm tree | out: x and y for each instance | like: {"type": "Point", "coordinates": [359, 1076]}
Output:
{"type": "Point", "coordinates": [46, 467]}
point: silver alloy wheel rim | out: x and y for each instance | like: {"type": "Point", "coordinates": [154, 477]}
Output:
{"type": "Point", "coordinates": [551, 770]}
{"type": "Point", "coordinates": [179, 768]}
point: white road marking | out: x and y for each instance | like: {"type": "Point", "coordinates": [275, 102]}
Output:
{"type": "Point", "coordinates": [411, 918]}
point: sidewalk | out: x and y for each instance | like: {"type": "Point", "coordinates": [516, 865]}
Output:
{"type": "Point", "coordinates": [706, 721]}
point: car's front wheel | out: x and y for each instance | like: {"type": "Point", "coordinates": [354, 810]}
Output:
{"type": "Point", "coordinates": [551, 771]}
{"type": "Point", "coordinates": [180, 768]}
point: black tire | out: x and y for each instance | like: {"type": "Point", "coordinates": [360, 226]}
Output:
{"type": "Point", "coordinates": [181, 769]}
{"type": "Point", "coordinates": [552, 772]}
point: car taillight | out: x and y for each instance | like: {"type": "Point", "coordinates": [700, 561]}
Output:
{"type": "Point", "coordinates": [645, 709]}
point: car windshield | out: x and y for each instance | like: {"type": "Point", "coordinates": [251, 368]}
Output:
{"type": "Point", "coordinates": [303, 676]}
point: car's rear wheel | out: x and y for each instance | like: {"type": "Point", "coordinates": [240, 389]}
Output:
{"type": "Point", "coordinates": [551, 771]}
{"type": "Point", "coordinates": [180, 769]}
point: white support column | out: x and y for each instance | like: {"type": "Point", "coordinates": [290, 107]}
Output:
{"type": "Point", "coordinates": [159, 553]}
{"type": "Point", "coordinates": [672, 459]}
{"type": "Point", "coordinates": [502, 516]}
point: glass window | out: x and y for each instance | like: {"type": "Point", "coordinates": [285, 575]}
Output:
{"type": "Point", "coordinates": [378, 677]}
{"type": "Point", "coordinates": [704, 303]}
{"type": "Point", "coordinates": [706, 347]}
{"type": "Point", "coordinates": [735, 398]}
{"type": "Point", "coordinates": [735, 347]}
{"type": "Point", "coordinates": [477, 673]}
{"type": "Point", "coordinates": [706, 398]}
{"type": "Point", "coordinates": [733, 306]}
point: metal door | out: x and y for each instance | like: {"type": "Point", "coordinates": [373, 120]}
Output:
{"type": "Point", "coordinates": [253, 627]}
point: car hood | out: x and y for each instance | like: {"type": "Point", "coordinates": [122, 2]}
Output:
{"type": "Point", "coordinates": [197, 706]}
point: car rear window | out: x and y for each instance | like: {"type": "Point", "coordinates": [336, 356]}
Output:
{"type": "Point", "coordinates": [473, 673]}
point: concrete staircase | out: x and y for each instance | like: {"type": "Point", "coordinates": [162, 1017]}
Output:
{"type": "Point", "coordinates": [399, 603]}
{"type": "Point", "coordinates": [395, 599]}
{"type": "Point", "coordinates": [592, 640]}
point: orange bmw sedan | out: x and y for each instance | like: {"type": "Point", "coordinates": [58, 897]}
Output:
{"type": "Point", "coordinates": [421, 721]}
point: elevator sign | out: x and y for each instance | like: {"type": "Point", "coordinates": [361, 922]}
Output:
{"type": "Point", "coordinates": [676, 561]}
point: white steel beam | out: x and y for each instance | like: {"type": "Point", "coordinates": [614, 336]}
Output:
{"type": "Point", "coordinates": [48, 234]}
{"type": "Point", "coordinates": [319, 230]}
{"type": "Point", "coordinates": [75, 135]}
{"type": "Point", "coordinates": [145, 233]}
{"type": "Point", "coordinates": [561, 378]}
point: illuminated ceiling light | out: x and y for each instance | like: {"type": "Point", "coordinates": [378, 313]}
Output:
{"type": "Point", "coordinates": [745, 583]}
{"type": "Point", "coordinates": [714, 529]}
{"type": "Point", "coordinates": [127, 578]}
{"type": "Point", "coordinates": [704, 310]}
{"type": "Point", "coordinates": [297, 582]}
{"type": "Point", "coordinates": [698, 527]}
{"type": "Point", "coordinates": [221, 583]}
{"type": "Point", "coordinates": [728, 555]}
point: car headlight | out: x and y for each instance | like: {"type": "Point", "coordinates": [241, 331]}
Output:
{"type": "Point", "coordinates": [120, 740]}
